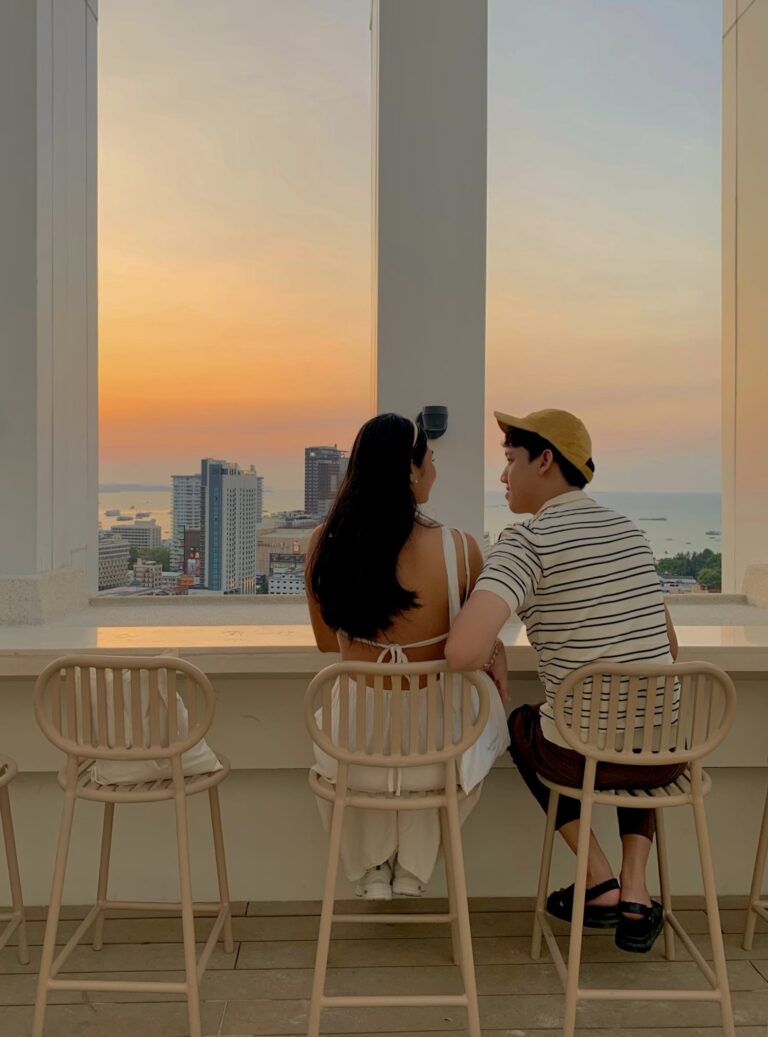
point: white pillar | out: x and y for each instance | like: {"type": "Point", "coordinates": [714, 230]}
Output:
{"type": "Point", "coordinates": [745, 289]}
{"type": "Point", "coordinates": [48, 385]}
{"type": "Point", "coordinates": [429, 89]}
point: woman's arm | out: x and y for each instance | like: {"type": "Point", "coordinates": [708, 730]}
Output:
{"type": "Point", "coordinates": [325, 637]}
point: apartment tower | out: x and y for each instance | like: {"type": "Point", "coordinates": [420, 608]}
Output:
{"type": "Point", "coordinates": [185, 515]}
{"type": "Point", "coordinates": [324, 468]}
{"type": "Point", "coordinates": [230, 512]}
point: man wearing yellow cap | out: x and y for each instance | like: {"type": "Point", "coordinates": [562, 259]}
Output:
{"type": "Point", "coordinates": [582, 578]}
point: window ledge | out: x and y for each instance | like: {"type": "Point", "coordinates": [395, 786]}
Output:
{"type": "Point", "coordinates": [273, 636]}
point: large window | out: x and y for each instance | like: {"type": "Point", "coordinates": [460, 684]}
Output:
{"type": "Point", "coordinates": [234, 193]}
{"type": "Point", "coordinates": [604, 246]}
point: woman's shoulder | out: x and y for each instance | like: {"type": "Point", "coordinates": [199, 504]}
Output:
{"type": "Point", "coordinates": [433, 532]}
{"type": "Point", "coordinates": [315, 535]}
{"type": "Point", "coordinates": [461, 536]}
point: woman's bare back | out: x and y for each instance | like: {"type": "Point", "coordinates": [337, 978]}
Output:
{"type": "Point", "coordinates": [420, 568]}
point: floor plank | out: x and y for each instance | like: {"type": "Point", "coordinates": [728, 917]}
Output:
{"type": "Point", "coordinates": [262, 989]}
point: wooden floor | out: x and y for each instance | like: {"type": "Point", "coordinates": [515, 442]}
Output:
{"type": "Point", "coordinates": [262, 988]}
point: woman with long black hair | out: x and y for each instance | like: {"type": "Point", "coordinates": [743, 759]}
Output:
{"type": "Point", "coordinates": [384, 583]}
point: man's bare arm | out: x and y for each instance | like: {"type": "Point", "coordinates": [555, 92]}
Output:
{"type": "Point", "coordinates": [673, 646]}
{"type": "Point", "coordinates": [472, 637]}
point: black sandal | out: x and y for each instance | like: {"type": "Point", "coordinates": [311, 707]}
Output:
{"type": "Point", "coordinates": [639, 934]}
{"type": "Point", "coordinates": [560, 904]}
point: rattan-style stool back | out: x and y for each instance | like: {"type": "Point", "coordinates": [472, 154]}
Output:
{"type": "Point", "coordinates": [399, 717]}
{"type": "Point", "coordinates": [134, 718]}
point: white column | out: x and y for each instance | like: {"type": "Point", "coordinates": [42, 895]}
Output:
{"type": "Point", "coordinates": [48, 387]}
{"type": "Point", "coordinates": [745, 290]}
{"type": "Point", "coordinates": [429, 203]}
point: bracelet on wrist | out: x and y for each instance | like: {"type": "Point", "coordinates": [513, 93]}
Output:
{"type": "Point", "coordinates": [488, 666]}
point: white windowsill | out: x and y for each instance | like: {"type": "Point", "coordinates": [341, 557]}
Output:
{"type": "Point", "coordinates": [273, 636]}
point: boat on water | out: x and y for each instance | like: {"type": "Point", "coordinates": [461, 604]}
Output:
{"type": "Point", "coordinates": [713, 532]}
{"type": "Point", "coordinates": [112, 512]}
{"type": "Point", "coordinates": [143, 514]}
{"type": "Point", "coordinates": [652, 518]}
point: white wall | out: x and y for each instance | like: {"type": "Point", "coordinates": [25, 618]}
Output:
{"type": "Point", "coordinates": [745, 288]}
{"type": "Point", "coordinates": [275, 842]}
{"type": "Point", "coordinates": [48, 392]}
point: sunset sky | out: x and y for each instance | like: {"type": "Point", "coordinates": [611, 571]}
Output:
{"type": "Point", "coordinates": [235, 232]}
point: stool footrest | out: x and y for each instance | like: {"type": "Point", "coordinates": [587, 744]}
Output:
{"type": "Point", "coordinates": [760, 907]}
{"type": "Point", "coordinates": [201, 907]}
{"type": "Point", "coordinates": [14, 921]}
{"type": "Point", "coordinates": [648, 994]}
{"type": "Point", "coordinates": [636, 995]}
{"type": "Point", "coordinates": [400, 1001]}
{"type": "Point", "coordinates": [218, 925]}
{"type": "Point", "coordinates": [136, 986]}
{"type": "Point", "coordinates": [222, 914]}
{"type": "Point", "coordinates": [392, 919]}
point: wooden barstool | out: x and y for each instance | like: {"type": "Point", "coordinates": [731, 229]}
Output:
{"type": "Point", "coordinates": [669, 715]}
{"type": "Point", "coordinates": [104, 708]}
{"type": "Point", "coordinates": [352, 717]}
{"type": "Point", "coordinates": [15, 920]}
{"type": "Point", "coordinates": [757, 905]}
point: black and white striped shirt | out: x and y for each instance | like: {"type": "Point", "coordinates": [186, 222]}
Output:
{"type": "Point", "coordinates": [582, 579]}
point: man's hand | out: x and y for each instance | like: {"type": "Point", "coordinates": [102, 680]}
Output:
{"type": "Point", "coordinates": [499, 672]}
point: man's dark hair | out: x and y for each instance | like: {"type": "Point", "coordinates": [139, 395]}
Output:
{"type": "Point", "coordinates": [535, 445]}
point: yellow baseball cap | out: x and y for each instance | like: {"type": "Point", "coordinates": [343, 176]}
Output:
{"type": "Point", "coordinates": [562, 429]}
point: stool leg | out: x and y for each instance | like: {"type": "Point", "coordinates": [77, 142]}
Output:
{"type": "Point", "coordinates": [326, 919]}
{"type": "Point", "coordinates": [54, 907]}
{"type": "Point", "coordinates": [757, 880]}
{"type": "Point", "coordinates": [466, 957]}
{"type": "Point", "coordinates": [221, 865]}
{"type": "Point", "coordinates": [666, 895]}
{"type": "Point", "coordinates": [713, 915]}
{"type": "Point", "coordinates": [577, 918]}
{"type": "Point", "coordinates": [187, 910]}
{"type": "Point", "coordinates": [14, 879]}
{"type": "Point", "coordinates": [449, 881]}
{"type": "Point", "coordinates": [544, 871]}
{"type": "Point", "coordinates": [101, 889]}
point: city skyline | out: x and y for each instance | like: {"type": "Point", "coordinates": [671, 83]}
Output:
{"type": "Point", "coordinates": [235, 311]}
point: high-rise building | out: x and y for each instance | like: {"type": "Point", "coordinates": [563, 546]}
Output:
{"type": "Point", "coordinates": [113, 561]}
{"type": "Point", "coordinates": [230, 512]}
{"type": "Point", "coordinates": [191, 555]}
{"type": "Point", "coordinates": [324, 468]}
{"type": "Point", "coordinates": [141, 533]}
{"type": "Point", "coordinates": [186, 514]}
{"type": "Point", "coordinates": [147, 573]}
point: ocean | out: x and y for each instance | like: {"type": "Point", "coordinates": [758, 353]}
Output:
{"type": "Point", "coordinates": [673, 522]}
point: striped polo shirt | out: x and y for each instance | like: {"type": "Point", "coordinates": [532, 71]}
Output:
{"type": "Point", "coordinates": [583, 580]}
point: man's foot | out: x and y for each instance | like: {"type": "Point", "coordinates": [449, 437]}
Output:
{"type": "Point", "coordinates": [601, 910]}
{"type": "Point", "coordinates": [405, 884]}
{"type": "Point", "coordinates": [635, 891]}
{"type": "Point", "coordinates": [376, 883]}
{"type": "Point", "coordinates": [638, 926]}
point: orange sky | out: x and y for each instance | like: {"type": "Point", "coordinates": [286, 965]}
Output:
{"type": "Point", "coordinates": [235, 232]}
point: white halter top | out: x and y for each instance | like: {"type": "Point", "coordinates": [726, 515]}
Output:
{"type": "Point", "coordinates": [392, 652]}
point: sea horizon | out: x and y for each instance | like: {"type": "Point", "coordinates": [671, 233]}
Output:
{"type": "Point", "coordinates": [683, 521]}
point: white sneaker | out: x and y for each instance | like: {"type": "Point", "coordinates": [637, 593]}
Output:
{"type": "Point", "coordinates": [376, 883]}
{"type": "Point", "coordinates": [405, 884]}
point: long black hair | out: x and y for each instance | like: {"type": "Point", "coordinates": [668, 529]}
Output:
{"type": "Point", "coordinates": [353, 572]}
